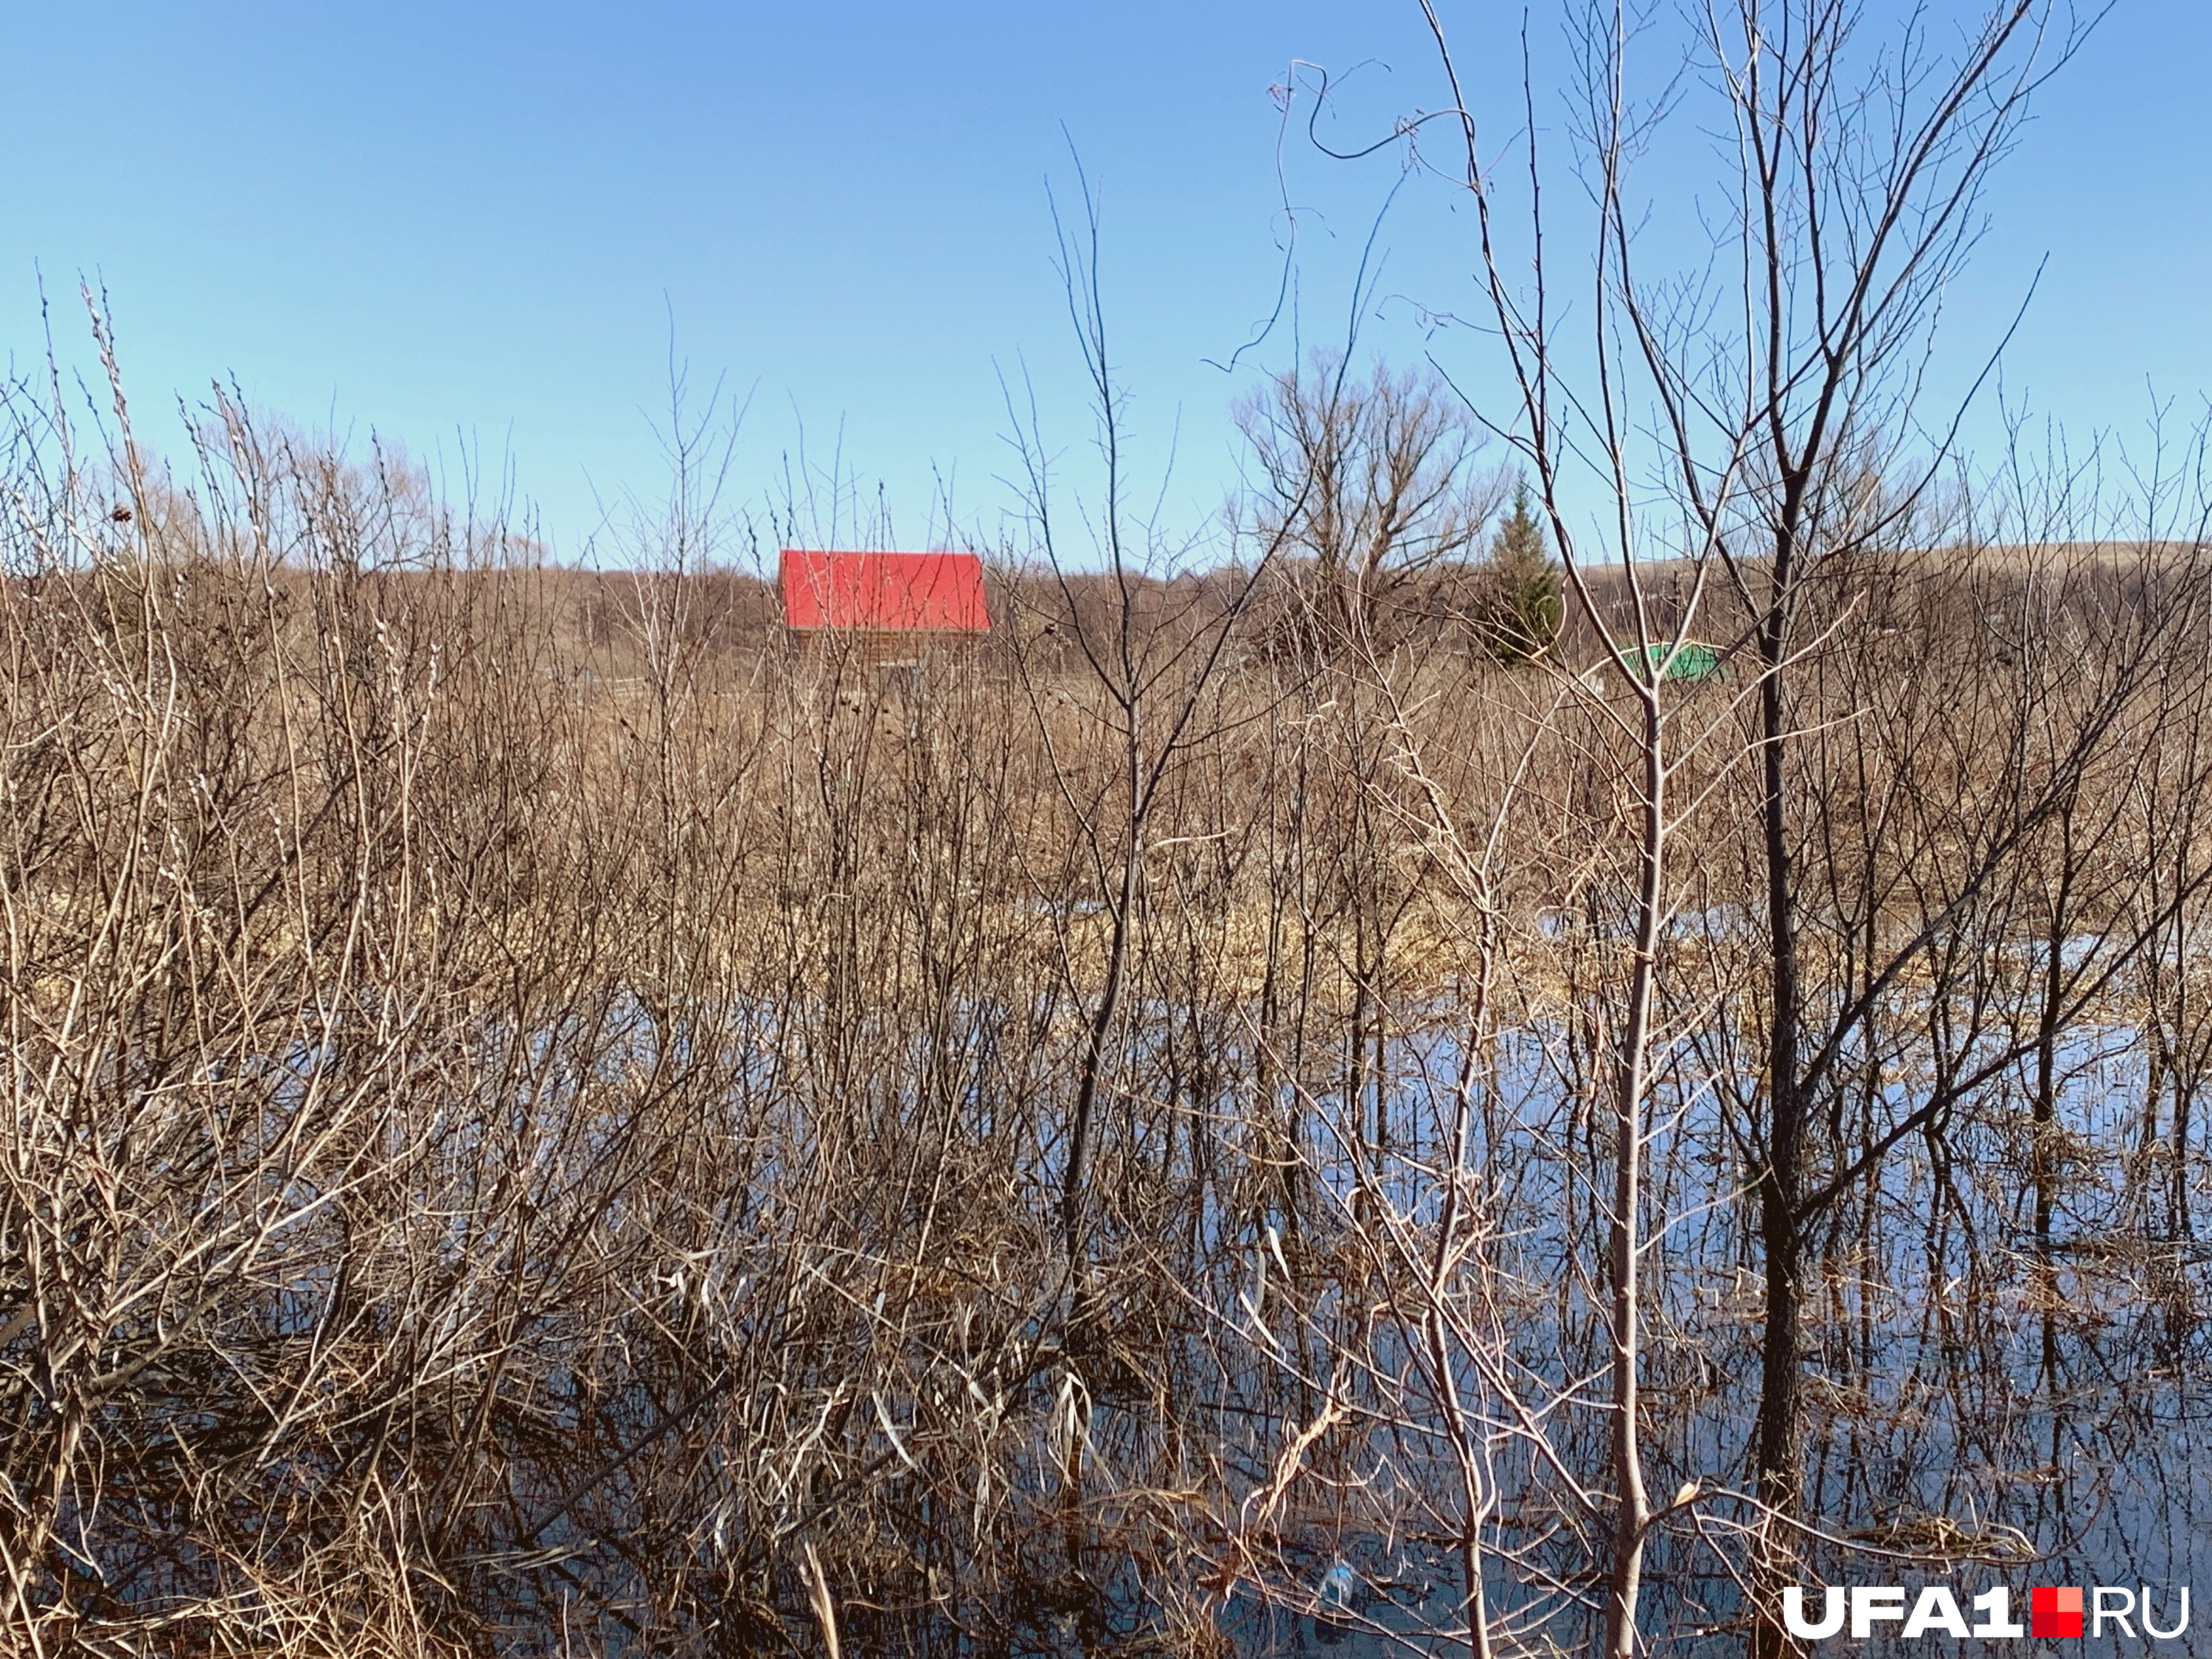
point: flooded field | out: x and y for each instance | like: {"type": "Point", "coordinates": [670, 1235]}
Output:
{"type": "Point", "coordinates": [543, 1118]}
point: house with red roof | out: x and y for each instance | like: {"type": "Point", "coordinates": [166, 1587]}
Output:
{"type": "Point", "coordinates": [887, 607]}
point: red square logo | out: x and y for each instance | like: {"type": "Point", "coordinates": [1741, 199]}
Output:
{"type": "Point", "coordinates": [2055, 1612]}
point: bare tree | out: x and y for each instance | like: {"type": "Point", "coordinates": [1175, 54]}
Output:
{"type": "Point", "coordinates": [1853, 203]}
{"type": "Point", "coordinates": [1370, 477]}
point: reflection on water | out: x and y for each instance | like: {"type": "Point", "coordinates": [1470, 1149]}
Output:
{"type": "Point", "coordinates": [1986, 1406]}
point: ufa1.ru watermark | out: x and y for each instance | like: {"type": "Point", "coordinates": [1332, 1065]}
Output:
{"type": "Point", "coordinates": [2062, 1611]}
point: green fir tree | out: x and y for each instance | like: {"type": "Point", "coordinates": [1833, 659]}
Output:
{"type": "Point", "coordinates": [1523, 609]}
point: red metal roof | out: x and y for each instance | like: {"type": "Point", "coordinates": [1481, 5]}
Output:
{"type": "Point", "coordinates": [889, 593]}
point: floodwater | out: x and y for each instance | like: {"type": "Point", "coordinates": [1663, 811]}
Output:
{"type": "Point", "coordinates": [1987, 1405]}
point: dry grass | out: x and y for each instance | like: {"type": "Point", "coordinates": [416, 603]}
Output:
{"type": "Point", "coordinates": [537, 1117]}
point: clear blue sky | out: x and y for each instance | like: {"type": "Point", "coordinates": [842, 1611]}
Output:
{"type": "Point", "coordinates": [470, 223]}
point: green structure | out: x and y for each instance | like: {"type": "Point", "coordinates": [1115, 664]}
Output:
{"type": "Point", "coordinates": [1692, 665]}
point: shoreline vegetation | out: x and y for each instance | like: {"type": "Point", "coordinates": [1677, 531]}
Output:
{"type": "Point", "coordinates": [1589, 1008]}
{"type": "Point", "coordinates": [543, 1119]}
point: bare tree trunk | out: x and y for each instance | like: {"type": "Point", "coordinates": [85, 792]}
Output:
{"type": "Point", "coordinates": [1780, 1180]}
{"type": "Point", "coordinates": [1095, 1035]}
{"type": "Point", "coordinates": [1632, 1508]}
